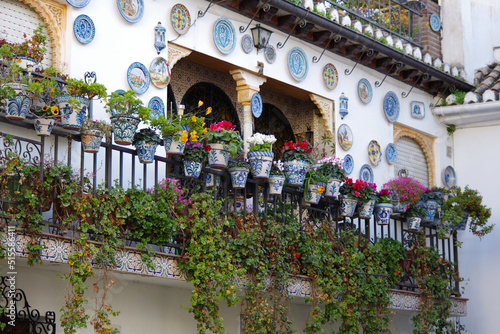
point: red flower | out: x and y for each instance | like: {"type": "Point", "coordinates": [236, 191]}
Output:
{"type": "Point", "coordinates": [357, 194]}
{"type": "Point", "coordinates": [397, 273]}
{"type": "Point", "coordinates": [297, 255]}
{"type": "Point", "coordinates": [207, 148]}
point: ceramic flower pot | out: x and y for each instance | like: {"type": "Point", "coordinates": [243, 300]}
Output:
{"type": "Point", "coordinates": [172, 146]}
{"type": "Point", "coordinates": [314, 193]}
{"type": "Point", "coordinates": [146, 152]}
{"type": "Point", "coordinates": [463, 223]}
{"type": "Point", "coordinates": [124, 128]}
{"type": "Point", "coordinates": [347, 206]}
{"type": "Point", "coordinates": [366, 209]}
{"type": "Point", "coordinates": [400, 207]}
{"type": "Point", "coordinates": [218, 157]}
{"type": "Point", "coordinates": [260, 164]}
{"type": "Point", "coordinates": [413, 223]}
{"type": "Point", "coordinates": [17, 108]}
{"type": "Point", "coordinates": [192, 169]}
{"type": "Point", "coordinates": [43, 126]}
{"type": "Point", "coordinates": [446, 230]}
{"type": "Point", "coordinates": [332, 188]}
{"type": "Point", "coordinates": [91, 140]}
{"type": "Point", "coordinates": [72, 118]}
{"type": "Point", "coordinates": [239, 176]}
{"type": "Point", "coordinates": [276, 183]}
{"type": "Point", "coordinates": [295, 171]}
{"type": "Point", "coordinates": [430, 209]}
{"type": "Point", "coordinates": [383, 213]}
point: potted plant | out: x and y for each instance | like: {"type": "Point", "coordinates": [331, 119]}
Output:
{"type": "Point", "coordinates": [124, 109]}
{"type": "Point", "coordinates": [239, 168]}
{"type": "Point", "coordinates": [297, 161]}
{"type": "Point", "coordinates": [350, 193]}
{"type": "Point", "coordinates": [260, 154]}
{"type": "Point", "coordinates": [92, 132]}
{"type": "Point", "coordinates": [383, 208]}
{"type": "Point", "coordinates": [333, 168]}
{"type": "Point", "coordinates": [405, 191]}
{"type": "Point", "coordinates": [276, 178]}
{"type": "Point", "coordinates": [314, 186]}
{"type": "Point", "coordinates": [366, 199]}
{"type": "Point", "coordinates": [224, 140]}
{"type": "Point", "coordinates": [414, 214]}
{"type": "Point", "coordinates": [193, 157]}
{"type": "Point", "coordinates": [430, 201]}
{"type": "Point", "coordinates": [145, 141]}
{"type": "Point", "coordinates": [44, 119]}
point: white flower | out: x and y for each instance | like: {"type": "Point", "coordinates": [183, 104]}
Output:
{"type": "Point", "coordinates": [260, 139]}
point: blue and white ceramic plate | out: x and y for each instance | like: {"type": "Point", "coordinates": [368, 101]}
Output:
{"type": "Point", "coordinates": [330, 76]}
{"type": "Point", "coordinates": [224, 36]}
{"type": "Point", "coordinates": [345, 137]}
{"type": "Point", "coordinates": [131, 10]}
{"type": "Point", "coordinates": [417, 109]}
{"type": "Point", "coordinates": [270, 54]}
{"type": "Point", "coordinates": [138, 78]}
{"type": "Point", "coordinates": [374, 153]}
{"type": "Point", "coordinates": [435, 22]}
{"type": "Point", "coordinates": [391, 106]}
{"type": "Point", "coordinates": [297, 64]}
{"type": "Point", "coordinates": [78, 3]}
{"type": "Point", "coordinates": [247, 43]}
{"type": "Point", "coordinates": [348, 164]}
{"type": "Point", "coordinates": [84, 29]}
{"type": "Point", "coordinates": [157, 106]}
{"type": "Point", "coordinates": [391, 153]}
{"type": "Point", "coordinates": [449, 177]}
{"type": "Point", "coordinates": [365, 91]}
{"type": "Point", "coordinates": [256, 105]}
{"type": "Point", "coordinates": [366, 173]}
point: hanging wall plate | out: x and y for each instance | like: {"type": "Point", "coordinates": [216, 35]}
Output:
{"type": "Point", "coordinates": [247, 43]}
{"type": "Point", "coordinates": [365, 91]}
{"type": "Point", "coordinates": [256, 105]}
{"type": "Point", "coordinates": [157, 106]}
{"type": "Point", "coordinates": [159, 71]}
{"type": "Point", "coordinates": [348, 164]}
{"type": "Point", "coordinates": [224, 36]}
{"type": "Point", "coordinates": [391, 153]}
{"type": "Point", "coordinates": [449, 177]}
{"type": "Point", "coordinates": [84, 29]}
{"type": "Point", "coordinates": [330, 76]}
{"type": "Point", "coordinates": [366, 173]}
{"type": "Point", "coordinates": [180, 18]}
{"type": "Point", "coordinates": [344, 137]}
{"type": "Point", "coordinates": [297, 64]}
{"type": "Point", "coordinates": [391, 107]}
{"type": "Point", "coordinates": [270, 54]}
{"type": "Point", "coordinates": [374, 153]}
{"type": "Point", "coordinates": [131, 10]}
{"type": "Point", "coordinates": [435, 22]}
{"type": "Point", "coordinates": [138, 78]}
{"type": "Point", "coordinates": [417, 109]}
{"type": "Point", "coordinates": [78, 3]}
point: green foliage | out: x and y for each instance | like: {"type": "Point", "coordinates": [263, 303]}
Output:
{"type": "Point", "coordinates": [126, 104]}
{"type": "Point", "coordinates": [78, 87]}
{"type": "Point", "coordinates": [146, 135]}
{"type": "Point", "coordinates": [450, 129]}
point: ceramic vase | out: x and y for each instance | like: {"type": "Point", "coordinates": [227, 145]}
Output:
{"type": "Point", "coordinates": [192, 169]}
{"type": "Point", "coordinates": [430, 209]}
{"type": "Point", "coordinates": [146, 152]}
{"type": "Point", "coordinates": [218, 157]}
{"type": "Point", "coordinates": [173, 146]}
{"type": "Point", "coordinates": [72, 118]}
{"type": "Point", "coordinates": [400, 207]}
{"type": "Point", "coordinates": [124, 128]}
{"type": "Point", "coordinates": [332, 188]}
{"type": "Point", "coordinates": [17, 108]}
{"type": "Point", "coordinates": [366, 209]}
{"type": "Point", "coordinates": [276, 183]}
{"type": "Point", "coordinates": [239, 176]}
{"type": "Point", "coordinates": [91, 140]}
{"type": "Point", "coordinates": [313, 195]}
{"type": "Point", "coordinates": [347, 206]}
{"type": "Point", "coordinates": [413, 223]}
{"type": "Point", "coordinates": [463, 223]}
{"type": "Point", "coordinates": [383, 213]}
{"type": "Point", "coordinates": [295, 171]}
{"type": "Point", "coordinates": [260, 164]}
{"type": "Point", "coordinates": [43, 126]}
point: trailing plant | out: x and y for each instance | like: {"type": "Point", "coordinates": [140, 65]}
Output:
{"type": "Point", "coordinates": [101, 125]}
{"type": "Point", "coordinates": [78, 87]}
{"type": "Point", "coordinates": [194, 151]}
{"type": "Point", "coordinates": [126, 104]}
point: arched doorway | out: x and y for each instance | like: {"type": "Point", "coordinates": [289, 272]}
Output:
{"type": "Point", "coordinates": [411, 158]}
{"type": "Point", "coordinates": [273, 121]}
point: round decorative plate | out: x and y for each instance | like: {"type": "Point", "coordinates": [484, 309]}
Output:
{"type": "Point", "coordinates": [297, 64]}
{"type": "Point", "coordinates": [131, 10]}
{"type": "Point", "coordinates": [344, 136]}
{"type": "Point", "coordinates": [270, 54]}
{"type": "Point", "coordinates": [365, 90]}
{"type": "Point", "coordinates": [224, 36]}
{"type": "Point", "coordinates": [157, 106]}
{"type": "Point", "coordinates": [449, 177]}
{"type": "Point", "coordinates": [391, 107]}
{"type": "Point", "coordinates": [84, 29]}
{"type": "Point", "coordinates": [247, 43]}
{"type": "Point", "coordinates": [391, 153]}
{"type": "Point", "coordinates": [180, 18]}
{"type": "Point", "coordinates": [374, 153]}
{"type": "Point", "coordinates": [435, 22]}
{"type": "Point", "coordinates": [348, 164]}
{"type": "Point", "coordinates": [330, 76]}
{"type": "Point", "coordinates": [138, 78]}
{"type": "Point", "coordinates": [159, 71]}
{"type": "Point", "coordinates": [256, 105]}
{"type": "Point", "coordinates": [78, 3]}
{"type": "Point", "coordinates": [366, 173]}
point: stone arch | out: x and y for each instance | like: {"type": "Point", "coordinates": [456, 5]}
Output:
{"type": "Point", "coordinates": [426, 142]}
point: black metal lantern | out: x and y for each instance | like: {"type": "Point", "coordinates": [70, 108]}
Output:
{"type": "Point", "coordinates": [260, 37]}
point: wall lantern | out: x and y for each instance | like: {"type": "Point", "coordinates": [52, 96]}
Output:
{"type": "Point", "coordinates": [260, 37]}
{"type": "Point", "coordinates": [160, 37]}
{"type": "Point", "coordinates": [343, 106]}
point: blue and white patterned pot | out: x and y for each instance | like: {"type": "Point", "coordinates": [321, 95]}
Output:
{"type": "Point", "coordinates": [313, 196]}
{"type": "Point", "coordinates": [347, 206]}
{"type": "Point", "coordinates": [366, 209]}
{"type": "Point", "coordinates": [260, 164]}
{"type": "Point", "coordinates": [209, 180]}
{"type": "Point", "coordinates": [295, 171]}
{"type": "Point", "coordinates": [146, 152]}
{"type": "Point", "coordinates": [17, 108]}
{"type": "Point", "coordinates": [43, 126]}
{"type": "Point", "coordinates": [218, 157]}
{"type": "Point", "coordinates": [91, 140]}
{"type": "Point", "coordinates": [192, 169]}
{"type": "Point", "coordinates": [400, 207]}
{"type": "Point", "coordinates": [124, 128]}
{"type": "Point", "coordinates": [239, 177]}
{"type": "Point", "coordinates": [383, 213]}
{"type": "Point", "coordinates": [463, 223]}
{"type": "Point", "coordinates": [430, 209]}
{"type": "Point", "coordinates": [172, 146]}
{"type": "Point", "coordinates": [72, 118]}
{"type": "Point", "coordinates": [445, 230]}
{"type": "Point", "coordinates": [276, 183]}
{"type": "Point", "coordinates": [332, 188]}
{"type": "Point", "coordinates": [413, 223]}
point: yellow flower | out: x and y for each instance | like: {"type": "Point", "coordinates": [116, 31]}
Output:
{"type": "Point", "coordinates": [325, 296]}
{"type": "Point", "coordinates": [194, 137]}
{"type": "Point", "coordinates": [71, 263]}
{"type": "Point", "coordinates": [184, 136]}
{"type": "Point", "coordinates": [54, 110]}
{"type": "Point", "coordinates": [45, 108]}
{"type": "Point", "coordinates": [193, 119]}
{"type": "Point", "coordinates": [320, 190]}
{"type": "Point", "coordinates": [200, 103]}
{"type": "Point", "coordinates": [205, 130]}
{"type": "Point", "coordinates": [209, 110]}
{"type": "Point", "coordinates": [18, 60]}
{"type": "Point", "coordinates": [203, 125]}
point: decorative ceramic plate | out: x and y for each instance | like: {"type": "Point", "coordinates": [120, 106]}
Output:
{"type": "Point", "coordinates": [391, 107]}
{"type": "Point", "coordinates": [366, 173]}
{"type": "Point", "coordinates": [138, 78]}
{"type": "Point", "coordinates": [78, 3]}
{"type": "Point", "coordinates": [435, 22]}
{"type": "Point", "coordinates": [157, 106]}
{"type": "Point", "coordinates": [374, 153]}
{"type": "Point", "coordinates": [391, 153]}
{"type": "Point", "coordinates": [270, 54]}
{"type": "Point", "coordinates": [256, 105]}
{"type": "Point", "coordinates": [417, 109]}
{"type": "Point", "coordinates": [180, 18]}
{"type": "Point", "coordinates": [224, 36]}
{"type": "Point", "coordinates": [297, 64]}
{"type": "Point", "coordinates": [84, 29]}
{"type": "Point", "coordinates": [348, 164]}
{"type": "Point", "coordinates": [131, 10]}
{"type": "Point", "coordinates": [247, 43]}
{"type": "Point", "coordinates": [365, 90]}
{"type": "Point", "coordinates": [344, 136]}
{"type": "Point", "coordinates": [330, 76]}
{"type": "Point", "coordinates": [159, 71]}
{"type": "Point", "coordinates": [449, 177]}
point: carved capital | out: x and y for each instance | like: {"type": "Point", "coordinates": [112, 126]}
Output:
{"type": "Point", "coordinates": [247, 84]}
{"type": "Point", "coordinates": [325, 107]}
{"type": "Point", "coordinates": [176, 53]}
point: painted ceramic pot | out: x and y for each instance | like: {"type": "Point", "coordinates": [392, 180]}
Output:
{"type": "Point", "coordinates": [91, 140]}
{"type": "Point", "coordinates": [347, 206]}
{"type": "Point", "coordinates": [413, 223]}
{"type": "Point", "coordinates": [463, 223]}
{"type": "Point", "coordinates": [218, 157]}
{"type": "Point", "coordinates": [17, 108]}
{"type": "Point", "coordinates": [260, 164]}
{"type": "Point", "coordinates": [173, 146]}
{"type": "Point", "coordinates": [192, 169]}
{"type": "Point", "coordinates": [124, 128]}
{"type": "Point", "coordinates": [430, 209]}
{"type": "Point", "coordinates": [43, 126]}
{"type": "Point", "coordinates": [332, 188]}
{"type": "Point", "coordinates": [72, 118]}
{"type": "Point", "coordinates": [446, 230]}
{"type": "Point", "coordinates": [313, 195]}
{"type": "Point", "coordinates": [383, 213]}
{"type": "Point", "coordinates": [400, 207]}
{"type": "Point", "coordinates": [146, 152]}
{"type": "Point", "coordinates": [276, 183]}
{"type": "Point", "coordinates": [239, 177]}
{"type": "Point", "coordinates": [295, 171]}
{"type": "Point", "coordinates": [366, 209]}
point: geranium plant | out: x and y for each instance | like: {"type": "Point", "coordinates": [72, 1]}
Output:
{"type": "Point", "coordinates": [297, 151]}
{"type": "Point", "coordinates": [351, 189]}
{"type": "Point", "coordinates": [195, 151]}
{"type": "Point", "coordinates": [223, 132]}
{"type": "Point", "coordinates": [146, 135]}
{"type": "Point", "coordinates": [239, 160]}
{"type": "Point", "coordinates": [260, 142]}
{"type": "Point", "coordinates": [332, 167]}
{"type": "Point", "coordinates": [407, 189]}
{"type": "Point", "coordinates": [384, 196]}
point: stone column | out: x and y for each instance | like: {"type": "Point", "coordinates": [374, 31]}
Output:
{"type": "Point", "coordinates": [247, 84]}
